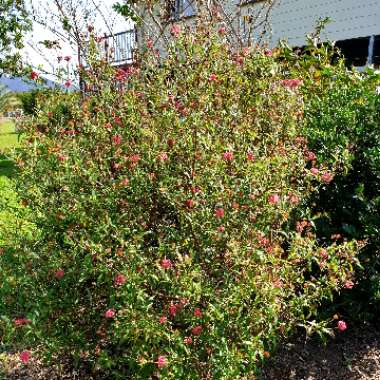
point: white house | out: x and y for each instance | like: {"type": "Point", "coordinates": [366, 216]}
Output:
{"type": "Point", "coordinates": [355, 24]}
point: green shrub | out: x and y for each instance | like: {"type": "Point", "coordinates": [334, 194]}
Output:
{"type": "Point", "coordinates": [343, 126]}
{"type": "Point", "coordinates": [166, 246]}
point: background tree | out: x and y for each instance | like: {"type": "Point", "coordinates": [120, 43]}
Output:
{"type": "Point", "coordinates": [14, 22]}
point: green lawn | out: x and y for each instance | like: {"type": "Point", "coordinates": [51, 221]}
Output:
{"type": "Point", "coordinates": [8, 140]}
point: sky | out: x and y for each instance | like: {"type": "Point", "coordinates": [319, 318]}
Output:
{"type": "Point", "coordinates": [43, 59]}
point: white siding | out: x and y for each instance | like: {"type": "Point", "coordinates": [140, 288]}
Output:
{"type": "Point", "coordinates": [293, 19]}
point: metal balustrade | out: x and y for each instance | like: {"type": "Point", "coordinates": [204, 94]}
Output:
{"type": "Point", "coordinates": [119, 48]}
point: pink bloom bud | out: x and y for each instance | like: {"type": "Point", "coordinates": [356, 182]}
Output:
{"type": "Point", "coordinates": [24, 356]}
{"type": "Point", "coordinates": [163, 320]}
{"type": "Point", "coordinates": [222, 30]}
{"type": "Point", "coordinates": [175, 30]}
{"type": "Point", "coordinates": [67, 58]}
{"type": "Point", "coordinates": [68, 84]}
{"type": "Point", "coordinates": [197, 330]}
{"type": "Point", "coordinates": [250, 156]}
{"type": "Point", "coordinates": [314, 171]}
{"type": "Point", "coordinates": [62, 157]}
{"type": "Point", "coordinates": [173, 310]}
{"type": "Point", "coordinates": [310, 156]}
{"type": "Point", "coordinates": [323, 253]}
{"type": "Point", "coordinates": [293, 199]}
{"type": "Point", "coordinates": [188, 340]}
{"type": "Point", "coordinates": [197, 313]}
{"type": "Point", "coordinates": [349, 284]}
{"type": "Point", "coordinates": [221, 229]}
{"type": "Point", "coordinates": [119, 279]}
{"type": "Point", "coordinates": [117, 139]}
{"type": "Point", "coordinates": [161, 362]}
{"type": "Point", "coordinates": [149, 44]}
{"type": "Point", "coordinates": [273, 199]}
{"type": "Point", "coordinates": [125, 182]}
{"type": "Point", "coordinates": [110, 313]}
{"type": "Point", "coordinates": [190, 203]}
{"type": "Point", "coordinates": [108, 126]}
{"type": "Point", "coordinates": [268, 53]}
{"type": "Point", "coordinates": [21, 322]}
{"type": "Point", "coordinates": [212, 78]}
{"type": "Point", "coordinates": [59, 274]}
{"type": "Point", "coordinates": [166, 263]}
{"type": "Point", "coordinates": [342, 325]}
{"type": "Point", "coordinates": [162, 157]}
{"type": "Point", "coordinates": [34, 75]}
{"type": "Point", "coordinates": [327, 177]}
{"type": "Point", "coordinates": [219, 212]}
{"type": "Point", "coordinates": [228, 156]}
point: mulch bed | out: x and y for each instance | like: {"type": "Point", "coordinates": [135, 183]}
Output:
{"type": "Point", "coordinates": [352, 355]}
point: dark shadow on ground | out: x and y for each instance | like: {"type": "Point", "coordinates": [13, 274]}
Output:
{"type": "Point", "coordinates": [7, 166]}
{"type": "Point", "coordinates": [352, 355]}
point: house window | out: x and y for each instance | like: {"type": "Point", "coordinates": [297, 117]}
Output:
{"type": "Point", "coordinates": [182, 8]}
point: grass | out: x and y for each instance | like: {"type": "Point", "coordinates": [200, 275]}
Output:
{"type": "Point", "coordinates": [8, 199]}
{"type": "Point", "coordinates": [8, 140]}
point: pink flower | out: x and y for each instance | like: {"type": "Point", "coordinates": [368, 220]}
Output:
{"type": "Point", "coordinates": [162, 157]}
{"type": "Point", "coordinates": [314, 171]}
{"type": "Point", "coordinates": [24, 356]}
{"type": "Point", "coordinates": [250, 156]}
{"type": "Point", "coordinates": [310, 156]}
{"type": "Point", "coordinates": [173, 310]}
{"type": "Point", "coordinates": [68, 84]}
{"type": "Point", "coordinates": [119, 279]}
{"type": "Point", "coordinates": [268, 53]}
{"type": "Point", "coordinates": [190, 203]}
{"type": "Point", "coordinates": [108, 126]}
{"type": "Point", "coordinates": [327, 177]}
{"type": "Point", "coordinates": [59, 274]}
{"type": "Point", "coordinates": [121, 75]}
{"type": "Point", "coordinates": [188, 340]}
{"type": "Point", "coordinates": [342, 325]}
{"type": "Point", "coordinates": [197, 313]}
{"type": "Point", "coordinates": [219, 212]}
{"type": "Point", "coordinates": [125, 182]}
{"type": "Point", "coordinates": [228, 156]}
{"type": "Point", "coordinates": [117, 139]}
{"type": "Point", "coordinates": [110, 313]}
{"type": "Point", "coordinates": [34, 75]}
{"type": "Point", "coordinates": [67, 58]}
{"type": "Point", "coordinates": [273, 199]}
{"type": "Point", "coordinates": [294, 199]}
{"type": "Point", "coordinates": [323, 253]}
{"type": "Point", "coordinates": [21, 321]}
{"type": "Point", "coordinates": [222, 30]}
{"type": "Point", "coordinates": [197, 330]}
{"type": "Point", "coordinates": [163, 320]}
{"type": "Point", "coordinates": [166, 263]}
{"type": "Point", "coordinates": [212, 78]}
{"type": "Point", "coordinates": [175, 30]}
{"type": "Point", "coordinates": [221, 229]}
{"type": "Point", "coordinates": [149, 43]}
{"type": "Point", "coordinates": [135, 158]}
{"type": "Point", "coordinates": [291, 83]}
{"type": "Point", "coordinates": [62, 157]}
{"type": "Point", "coordinates": [161, 362]}
{"type": "Point", "coordinates": [349, 284]}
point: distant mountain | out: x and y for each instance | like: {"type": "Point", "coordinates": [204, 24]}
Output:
{"type": "Point", "coordinates": [18, 84]}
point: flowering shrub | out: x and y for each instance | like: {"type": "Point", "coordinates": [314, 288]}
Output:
{"type": "Point", "coordinates": [169, 240]}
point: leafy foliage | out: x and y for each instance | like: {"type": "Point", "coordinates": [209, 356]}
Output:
{"type": "Point", "coordinates": [171, 242]}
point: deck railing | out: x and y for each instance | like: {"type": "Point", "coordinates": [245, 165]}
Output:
{"type": "Point", "coordinates": [118, 48]}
